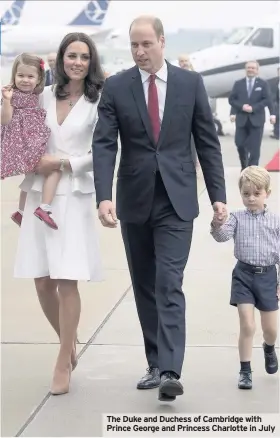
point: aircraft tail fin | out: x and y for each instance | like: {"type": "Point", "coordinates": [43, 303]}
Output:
{"type": "Point", "coordinates": [93, 14]}
{"type": "Point", "coordinates": [13, 15]}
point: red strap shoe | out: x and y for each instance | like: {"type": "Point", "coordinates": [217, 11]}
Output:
{"type": "Point", "coordinates": [45, 217]}
{"type": "Point", "coordinates": [17, 218]}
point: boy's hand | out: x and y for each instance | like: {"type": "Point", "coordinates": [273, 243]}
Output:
{"type": "Point", "coordinates": [220, 213]}
{"type": "Point", "coordinates": [278, 292]}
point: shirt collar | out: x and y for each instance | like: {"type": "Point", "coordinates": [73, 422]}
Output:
{"type": "Point", "coordinates": [258, 212]}
{"type": "Point", "coordinates": [160, 74]}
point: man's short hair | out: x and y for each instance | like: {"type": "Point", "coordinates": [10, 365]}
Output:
{"type": "Point", "coordinates": [154, 21]}
{"type": "Point", "coordinates": [254, 61]}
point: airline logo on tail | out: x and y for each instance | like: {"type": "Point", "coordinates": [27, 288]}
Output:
{"type": "Point", "coordinates": [12, 16]}
{"type": "Point", "coordinates": [92, 15]}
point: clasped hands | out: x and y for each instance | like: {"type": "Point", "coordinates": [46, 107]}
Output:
{"type": "Point", "coordinates": [220, 214]}
{"type": "Point", "coordinates": [247, 108]}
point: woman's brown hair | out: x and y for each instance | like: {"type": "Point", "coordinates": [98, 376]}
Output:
{"type": "Point", "coordinates": [95, 78]}
{"type": "Point", "coordinates": [33, 61]}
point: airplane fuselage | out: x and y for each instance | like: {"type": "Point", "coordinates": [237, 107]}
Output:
{"type": "Point", "coordinates": [224, 64]}
{"type": "Point", "coordinates": [38, 39]}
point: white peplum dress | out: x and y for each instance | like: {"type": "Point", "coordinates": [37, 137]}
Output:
{"type": "Point", "coordinates": [72, 252]}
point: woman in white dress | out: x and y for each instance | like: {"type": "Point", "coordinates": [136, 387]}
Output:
{"type": "Point", "coordinates": [58, 259]}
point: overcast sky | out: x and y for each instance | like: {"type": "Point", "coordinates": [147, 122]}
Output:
{"type": "Point", "coordinates": [174, 14]}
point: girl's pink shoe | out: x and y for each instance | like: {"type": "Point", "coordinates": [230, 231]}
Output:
{"type": "Point", "coordinates": [17, 218]}
{"type": "Point", "coordinates": [45, 217]}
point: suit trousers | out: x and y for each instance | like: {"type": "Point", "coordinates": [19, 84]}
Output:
{"type": "Point", "coordinates": [248, 140]}
{"type": "Point", "coordinates": [157, 252]}
{"type": "Point", "coordinates": [276, 126]}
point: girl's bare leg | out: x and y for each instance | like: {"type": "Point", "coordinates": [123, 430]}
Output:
{"type": "Point", "coordinates": [50, 186]}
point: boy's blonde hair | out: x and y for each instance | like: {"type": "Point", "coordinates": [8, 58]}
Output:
{"type": "Point", "coordinates": [256, 175]}
{"type": "Point", "coordinates": [33, 61]}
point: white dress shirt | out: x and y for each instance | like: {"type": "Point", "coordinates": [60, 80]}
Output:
{"type": "Point", "coordinates": [161, 84]}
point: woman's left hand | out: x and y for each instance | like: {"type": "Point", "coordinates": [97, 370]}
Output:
{"type": "Point", "coordinates": [47, 165]}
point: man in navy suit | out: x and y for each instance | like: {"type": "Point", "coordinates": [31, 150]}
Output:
{"type": "Point", "coordinates": [50, 72]}
{"type": "Point", "coordinates": [275, 94]}
{"type": "Point", "coordinates": [248, 100]}
{"type": "Point", "coordinates": [155, 107]}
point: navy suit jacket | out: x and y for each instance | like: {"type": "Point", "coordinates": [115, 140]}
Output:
{"type": "Point", "coordinates": [49, 81]}
{"type": "Point", "coordinates": [122, 109]}
{"type": "Point", "coordinates": [259, 99]}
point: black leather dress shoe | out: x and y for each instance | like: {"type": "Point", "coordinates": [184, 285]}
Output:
{"type": "Point", "coordinates": [169, 387]}
{"type": "Point", "coordinates": [150, 380]}
{"type": "Point", "coordinates": [245, 380]}
{"type": "Point", "coordinates": [271, 362]}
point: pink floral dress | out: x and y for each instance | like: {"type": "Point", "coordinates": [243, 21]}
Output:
{"type": "Point", "coordinates": [24, 139]}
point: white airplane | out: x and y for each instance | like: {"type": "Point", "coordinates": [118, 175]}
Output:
{"type": "Point", "coordinates": [46, 38]}
{"type": "Point", "coordinates": [224, 64]}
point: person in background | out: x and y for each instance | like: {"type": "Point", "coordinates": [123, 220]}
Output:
{"type": "Point", "coordinates": [218, 124]}
{"type": "Point", "coordinates": [248, 100]}
{"type": "Point", "coordinates": [275, 94]}
{"type": "Point", "coordinates": [51, 58]}
{"type": "Point", "coordinates": [185, 63]}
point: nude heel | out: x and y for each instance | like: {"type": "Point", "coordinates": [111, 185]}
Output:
{"type": "Point", "coordinates": [61, 381]}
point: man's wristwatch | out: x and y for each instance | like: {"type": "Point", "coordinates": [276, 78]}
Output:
{"type": "Point", "coordinates": [62, 165]}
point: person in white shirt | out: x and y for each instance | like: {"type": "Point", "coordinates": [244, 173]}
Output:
{"type": "Point", "coordinates": [58, 259]}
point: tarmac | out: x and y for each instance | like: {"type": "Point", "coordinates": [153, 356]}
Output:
{"type": "Point", "coordinates": [111, 354]}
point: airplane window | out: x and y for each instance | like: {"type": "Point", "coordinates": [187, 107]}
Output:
{"type": "Point", "coordinates": [261, 38]}
{"type": "Point", "coordinates": [238, 35]}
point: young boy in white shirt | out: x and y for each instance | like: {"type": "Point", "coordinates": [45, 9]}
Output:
{"type": "Point", "coordinates": [256, 234]}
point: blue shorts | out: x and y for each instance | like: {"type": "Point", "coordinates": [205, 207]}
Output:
{"type": "Point", "coordinates": [254, 285]}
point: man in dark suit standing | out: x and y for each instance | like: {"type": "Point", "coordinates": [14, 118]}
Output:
{"type": "Point", "coordinates": [50, 72]}
{"type": "Point", "coordinates": [248, 100]}
{"type": "Point", "coordinates": [155, 107]}
{"type": "Point", "coordinates": [275, 94]}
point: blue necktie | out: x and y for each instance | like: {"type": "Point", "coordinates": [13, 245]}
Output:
{"type": "Point", "coordinates": [250, 87]}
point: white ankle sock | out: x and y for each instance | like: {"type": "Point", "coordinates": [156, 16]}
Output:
{"type": "Point", "coordinates": [46, 207]}
{"type": "Point", "coordinates": [20, 211]}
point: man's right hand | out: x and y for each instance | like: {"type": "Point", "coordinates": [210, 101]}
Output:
{"type": "Point", "coordinates": [247, 108]}
{"type": "Point", "coordinates": [107, 214]}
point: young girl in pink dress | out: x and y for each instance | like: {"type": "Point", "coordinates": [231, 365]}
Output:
{"type": "Point", "coordinates": [24, 135]}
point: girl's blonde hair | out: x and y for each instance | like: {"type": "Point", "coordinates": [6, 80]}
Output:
{"type": "Point", "coordinates": [33, 61]}
{"type": "Point", "coordinates": [256, 175]}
